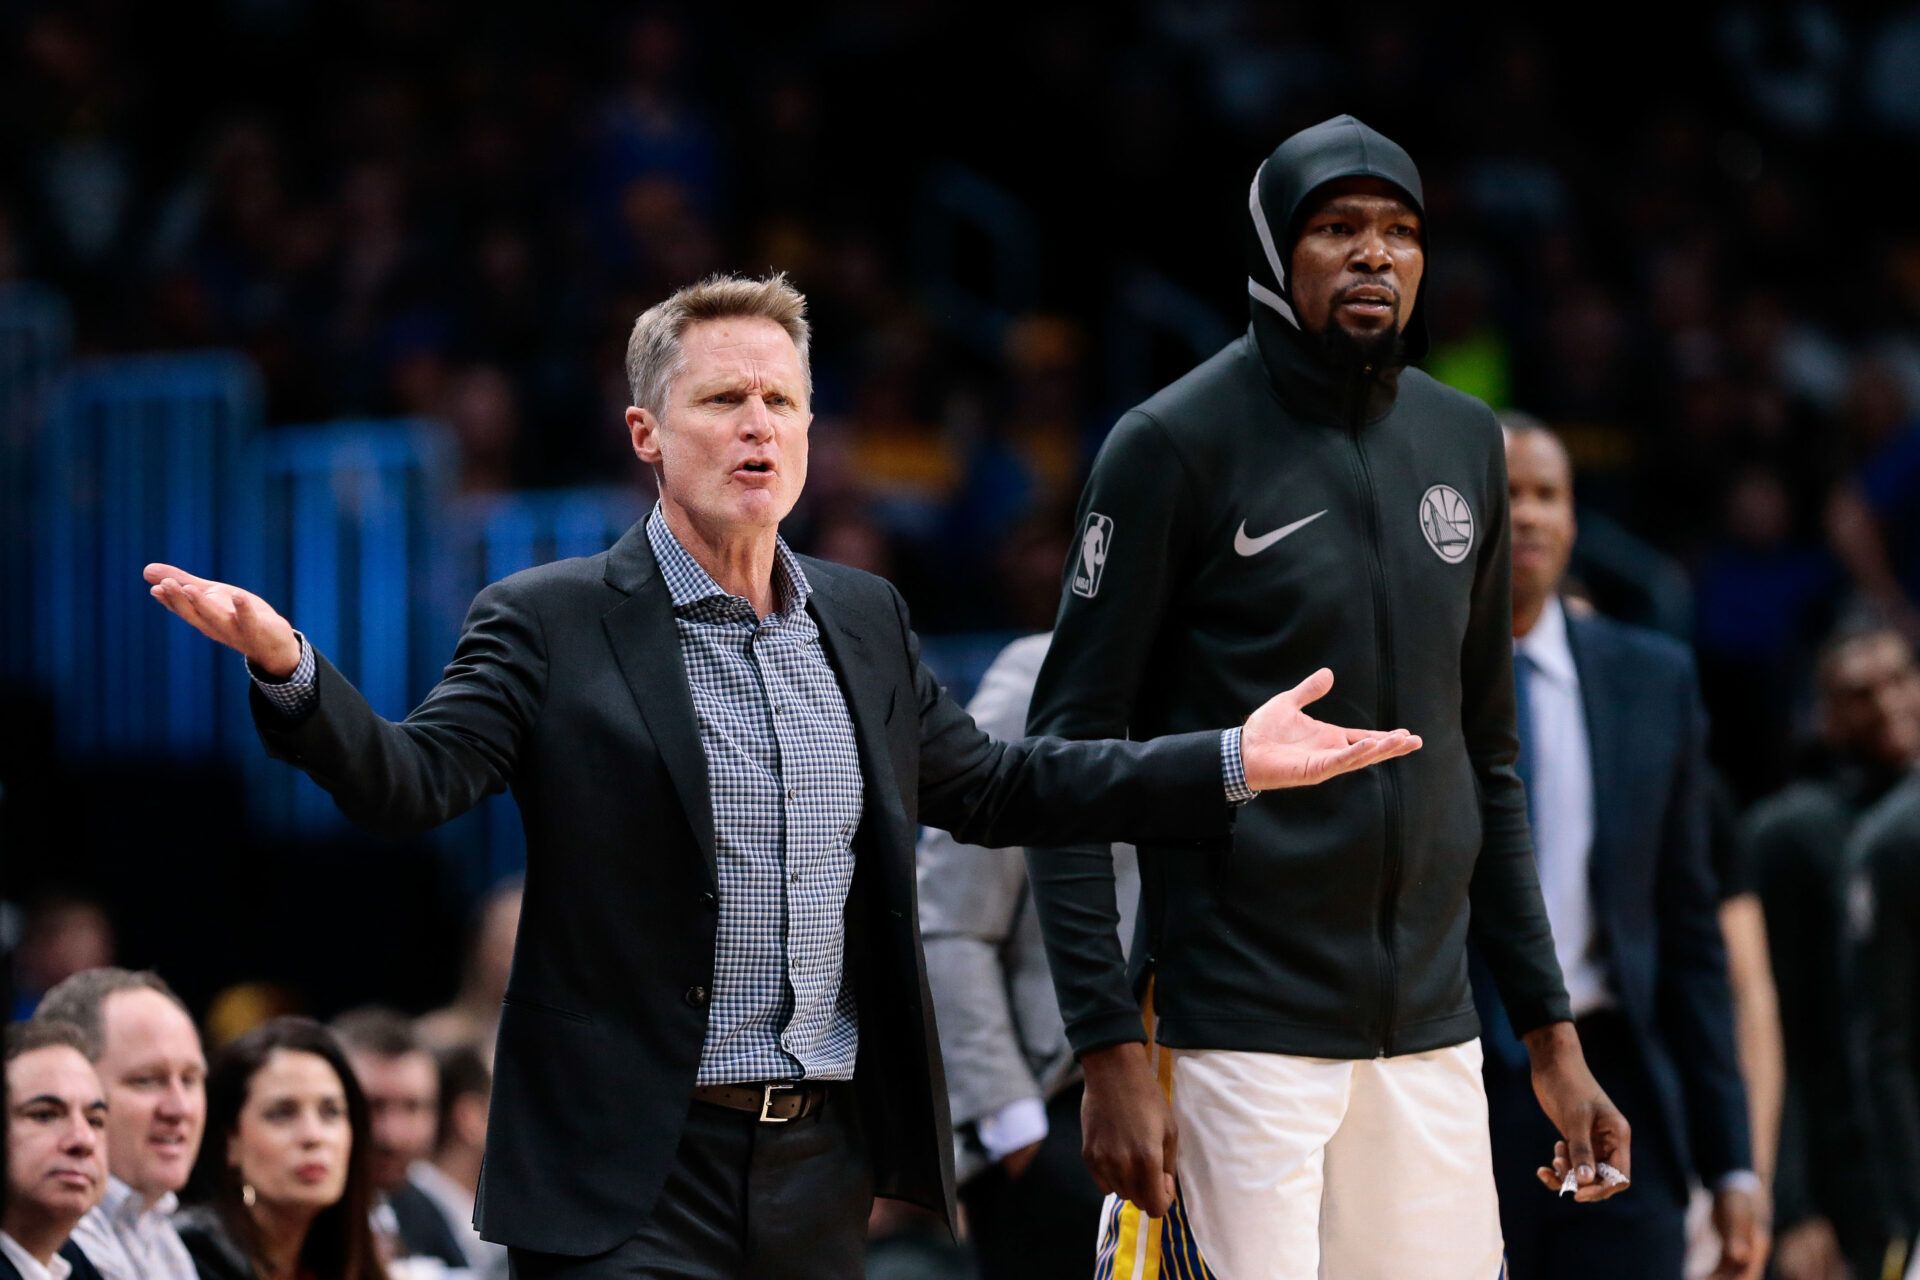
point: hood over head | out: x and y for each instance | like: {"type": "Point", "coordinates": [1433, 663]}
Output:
{"type": "Point", "coordinates": [1277, 203]}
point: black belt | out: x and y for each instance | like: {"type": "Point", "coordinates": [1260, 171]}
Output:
{"type": "Point", "coordinates": [771, 1102]}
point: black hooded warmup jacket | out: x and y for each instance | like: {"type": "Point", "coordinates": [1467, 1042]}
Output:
{"type": "Point", "coordinates": [1254, 521]}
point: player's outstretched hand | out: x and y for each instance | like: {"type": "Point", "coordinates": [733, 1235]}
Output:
{"type": "Point", "coordinates": [1597, 1149]}
{"type": "Point", "coordinates": [238, 619]}
{"type": "Point", "coordinates": [1283, 746]}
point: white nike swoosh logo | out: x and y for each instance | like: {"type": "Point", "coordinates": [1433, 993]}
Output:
{"type": "Point", "coordinates": [1254, 546]}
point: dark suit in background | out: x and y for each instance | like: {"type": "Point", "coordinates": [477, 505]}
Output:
{"type": "Point", "coordinates": [569, 686]}
{"type": "Point", "coordinates": [423, 1228]}
{"type": "Point", "coordinates": [82, 1269]}
{"type": "Point", "coordinates": [1661, 1040]}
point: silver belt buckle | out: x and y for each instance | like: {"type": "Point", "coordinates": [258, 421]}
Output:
{"type": "Point", "coordinates": [766, 1100]}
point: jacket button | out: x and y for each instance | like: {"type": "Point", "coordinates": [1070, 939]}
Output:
{"type": "Point", "coordinates": [697, 997]}
{"type": "Point", "coordinates": [708, 898]}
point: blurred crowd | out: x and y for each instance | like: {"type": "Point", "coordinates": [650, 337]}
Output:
{"type": "Point", "coordinates": [434, 209]}
{"type": "Point", "coordinates": [1685, 254]}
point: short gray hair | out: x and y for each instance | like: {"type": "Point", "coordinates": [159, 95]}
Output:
{"type": "Point", "coordinates": [654, 354]}
{"type": "Point", "coordinates": [81, 1001]}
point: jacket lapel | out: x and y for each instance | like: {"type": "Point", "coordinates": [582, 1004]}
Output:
{"type": "Point", "coordinates": [1603, 700]}
{"type": "Point", "coordinates": [646, 646]}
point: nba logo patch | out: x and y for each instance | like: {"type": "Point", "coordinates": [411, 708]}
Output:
{"type": "Point", "coordinates": [1095, 539]}
{"type": "Point", "coordinates": [1448, 523]}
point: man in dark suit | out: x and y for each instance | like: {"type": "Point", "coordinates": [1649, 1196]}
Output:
{"type": "Point", "coordinates": [1612, 735]}
{"type": "Point", "coordinates": [717, 1042]}
{"type": "Point", "coordinates": [402, 1084]}
{"type": "Point", "coordinates": [56, 1151]}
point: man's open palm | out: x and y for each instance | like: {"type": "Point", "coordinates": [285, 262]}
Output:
{"type": "Point", "coordinates": [238, 619]}
{"type": "Point", "coordinates": [1283, 746]}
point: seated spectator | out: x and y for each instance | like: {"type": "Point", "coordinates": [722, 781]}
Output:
{"type": "Point", "coordinates": [474, 1016]}
{"type": "Point", "coordinates": [145, 1047]}
{"type": "Point", "coordinates": [282, 1187]}
{"type": "Point", "coordinates": [402, 1085]}
{"type": "Point", "coordinates": [56, 1151]}
{"type": "Point", "coordinates": [452, 1177]}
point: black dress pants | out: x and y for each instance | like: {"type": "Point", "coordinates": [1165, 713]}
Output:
{"type": "Point", "coordinates": [746, 1201]}
{"type": "Point", "coordinates": [1642, 1232]}
{"type": "Point", "coordinates": [1043, 1224]}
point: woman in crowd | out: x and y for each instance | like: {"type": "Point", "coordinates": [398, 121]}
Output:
{"type": "Point", "coordinates": [281, 1190]}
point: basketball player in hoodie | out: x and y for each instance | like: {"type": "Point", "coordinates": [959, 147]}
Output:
{"type": "Point", "coordinates": [1303, 1097]}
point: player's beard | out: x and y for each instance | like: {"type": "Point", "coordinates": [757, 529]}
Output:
{"type": "Point", "coordinates": [1355, 357]}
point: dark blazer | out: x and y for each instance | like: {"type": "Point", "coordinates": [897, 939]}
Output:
{"type": "Point", "coordinates": [82, 1269]}
{"type": "Point", "coordinates": [1654, 900]}
{"type": "Point", "coordinates": [568, 686]}
{"type": "Point", "coordinates": [424, 1229]}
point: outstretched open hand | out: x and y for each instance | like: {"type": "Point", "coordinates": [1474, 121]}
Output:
{"type": "Point", "coordinates": [238, 619]}
{"type": "Point", "coordinates": [1283, 746]}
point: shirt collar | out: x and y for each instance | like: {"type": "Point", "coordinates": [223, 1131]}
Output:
{"type": "Point", "coordinates": [1547, 647]}
{"type": "Point", "coordinates": [123, 1204]}
{"type": "Point", "coordinates": [28, 1265]}
{"type": "Point", "coordinates": [689, 584]}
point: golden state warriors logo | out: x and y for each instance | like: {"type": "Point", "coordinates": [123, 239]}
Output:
{"type": "Point", "coordinates": [1448, 523]}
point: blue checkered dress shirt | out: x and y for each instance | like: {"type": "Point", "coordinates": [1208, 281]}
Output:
{"type": "Point", "coordinates": [783, 768]}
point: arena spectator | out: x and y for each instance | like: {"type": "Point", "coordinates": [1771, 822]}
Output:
{"type": "Point", "coordinates": [282, 1187]}
{"type": "Point", "coordinates": [143, 1044]}
{"type": "Point", "coordinates": [56, 1151]}
{"type": "Point", "coordinates": [452, 1177]}
{"type": "Point", "coordinates": [402, 1086]}
{"type": "Point", "coordinates": [1869, 727]}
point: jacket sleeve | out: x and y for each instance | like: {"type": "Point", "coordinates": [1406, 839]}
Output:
{"type": "Point", "coordinates": [456, 748]}
{"type": "Point", "coordinates": [970, 901]}
{"type": "Point", "coordinates": [1103, 643]}
{"type": "Point", "coordinates": [1046, 790]}
{"type": "Point", "coordinates": [1509, 917]}
{"type": "Point", "coordinates": [1693, 998]}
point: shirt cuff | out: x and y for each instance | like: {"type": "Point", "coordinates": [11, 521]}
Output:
{"type": "Point", "coordinates": [1233, 769]}
{"type": "Point", "coordinates": [295, 695]}
{"type": "Point", "coordinates": [1020, 1123]}
{"type": "Point", "coordinates": [1739, 1180]}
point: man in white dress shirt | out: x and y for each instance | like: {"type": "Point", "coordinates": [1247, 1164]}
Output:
{"type": "Point", "coordinates": [1612, 750]}
{"type": "Point", "coordinates": [148, 1054]}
